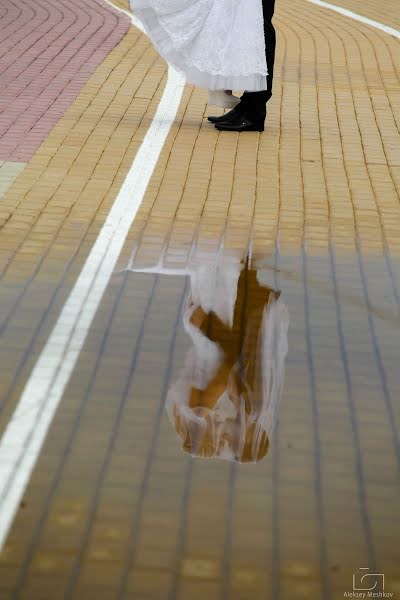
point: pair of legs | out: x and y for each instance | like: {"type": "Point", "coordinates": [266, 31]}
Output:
{"type": "Point", "coordinates": [250, 113]}
{"type": "Point", "coordinates": [255, 102]}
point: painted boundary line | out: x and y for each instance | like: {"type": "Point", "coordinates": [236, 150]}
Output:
{"type": "Point", "coordinates": [26, 432]}
{"type": "Point", "coordinates": [352, 15]}
{"type": "Point", "coordinates": [130, 16]}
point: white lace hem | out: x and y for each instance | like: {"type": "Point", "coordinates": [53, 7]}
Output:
{"type": "Point", "coordinates": [161, 40]}
{"type": "Point", "coordinates": [250, 83]}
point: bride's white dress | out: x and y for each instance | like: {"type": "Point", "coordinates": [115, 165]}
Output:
{"type": "Point", "coordinates": [217, 44]}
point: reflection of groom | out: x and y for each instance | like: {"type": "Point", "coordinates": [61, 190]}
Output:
{"type": "Point", "coordinates": [250, 113]}
{"type": "Point", "coordinates": [224, 402]}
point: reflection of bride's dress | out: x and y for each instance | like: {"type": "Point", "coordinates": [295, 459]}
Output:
{"type": "Point", "coordinates": [217, 44]}
{"type": "Point", "coordinates": [225, 402]}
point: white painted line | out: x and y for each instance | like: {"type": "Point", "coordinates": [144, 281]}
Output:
{"type": "Point", "coordinates": [26, 432]}
{"type": "Point", "coordinates": [352, 15]}
{"type": "Point", "coordinates": [133, 19]}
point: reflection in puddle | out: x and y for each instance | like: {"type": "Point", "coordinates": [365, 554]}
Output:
{"type": "Point", "coordinates": [326, 500]}
{"type": "Point", "coordinates": [225, 402]}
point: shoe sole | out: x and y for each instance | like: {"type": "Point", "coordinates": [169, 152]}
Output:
{"type": "Point", "coordinates": [259, 129]}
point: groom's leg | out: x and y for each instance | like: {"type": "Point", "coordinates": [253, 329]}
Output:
{"type": "Point", "coordinates": [256, 101]}
{"type": "Point", "coordinates": [270, 42]}
{"type": "Point", "coordinates": [253, 104]}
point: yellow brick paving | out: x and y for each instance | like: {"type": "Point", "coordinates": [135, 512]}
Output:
{"type": "Point", "coordinates": [113, 509]}
{"type": "Point", "coordinates": [329, 161]}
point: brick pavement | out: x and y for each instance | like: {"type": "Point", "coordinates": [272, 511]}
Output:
{"type": "Point", "coordinates": [386, 13]}
{"type": "Point", "coordinates": [48, 51]}
{"type": "Point", "coordinates": [113, 508]}
{"type": "Point", "coordinates": [331, 153]}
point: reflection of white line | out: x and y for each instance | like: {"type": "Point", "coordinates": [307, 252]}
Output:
{"type": "Point", "coordinates": [25, 434]}
{"type": "Point", "coordinates": [356, 17]}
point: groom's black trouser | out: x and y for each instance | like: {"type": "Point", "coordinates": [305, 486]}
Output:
{"type": "Point", "coordinates": [256, 101]}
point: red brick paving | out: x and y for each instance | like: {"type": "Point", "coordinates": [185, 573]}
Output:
{"type": "Point", "coordinates": [48, 50]}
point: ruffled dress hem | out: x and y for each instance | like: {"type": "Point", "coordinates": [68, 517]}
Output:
{"type": "Point", "coordinates": [163, 43]}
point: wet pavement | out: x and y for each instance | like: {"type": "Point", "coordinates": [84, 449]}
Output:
{"type": "Point", "coordinates": [231, 427]}
{"type": "Point", "coordinates": [123, 502]}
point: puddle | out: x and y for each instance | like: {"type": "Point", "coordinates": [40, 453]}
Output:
{"type": "Point", "coordinates": [238, 425]}
{"type": "Point", "coordinates": [326, 500]}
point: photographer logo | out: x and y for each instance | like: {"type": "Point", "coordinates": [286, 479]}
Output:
{"type": "Point", "coordinates": [368, 585]}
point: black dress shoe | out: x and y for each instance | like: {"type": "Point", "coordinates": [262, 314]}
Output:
{"type": "Point", "coordinates": [232, 114]}
{"type": "Point", "coordinates": [240, 123]}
